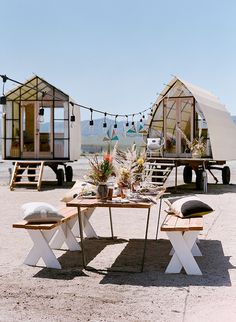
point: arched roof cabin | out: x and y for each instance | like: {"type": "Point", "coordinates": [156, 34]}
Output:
{"type": "Point", "coordinates": [184, 112]}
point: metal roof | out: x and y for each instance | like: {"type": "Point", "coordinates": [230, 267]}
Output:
{"type": "Point", "coordinates": [33, 89]}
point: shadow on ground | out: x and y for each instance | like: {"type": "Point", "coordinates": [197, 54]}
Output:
{"type": "Point", "coordinates": [214, 265]}
{"type": "Point", "coordinates": [71, 262]}
{"type": "Point", "coordinates": [212, 189]}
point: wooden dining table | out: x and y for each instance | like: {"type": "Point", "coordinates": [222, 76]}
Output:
{"type": "Point", "coordinates": [110, 204]}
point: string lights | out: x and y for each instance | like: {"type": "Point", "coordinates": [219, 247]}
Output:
{"type": "Point", "coordinates": [3, 100]}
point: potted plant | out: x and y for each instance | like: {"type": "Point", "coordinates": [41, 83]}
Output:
{"type": "Point", "coordinates": [15, 149]}
{"type": "Point", "coordinates": [197, 146]}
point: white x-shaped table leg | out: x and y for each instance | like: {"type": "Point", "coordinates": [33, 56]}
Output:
{"type": "Point", "coordinates": [65, 235]}
{"type": "Point", "coordinates": [183, 256]}
{"type": "Point", "coordinates": [41, 249]}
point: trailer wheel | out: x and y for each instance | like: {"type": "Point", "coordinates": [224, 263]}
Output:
{"type": "Point", "coordinates": [226, 175]}
{"type": "Point", "coordinates": [31, 171]}
{"type": "Point", "coordinates": [199, 180]}
{"type": "Point", "coordinates": [19, 171]}
{"type": "Point", "coordinates": [69, 173]}
{"type": "Point", "coordinates": [187, 174]}
{"type": "Point", "coordinates": [60, 177]}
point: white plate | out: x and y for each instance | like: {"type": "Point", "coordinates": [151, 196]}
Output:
{"type": "Point", "coordinates": [88, 197]}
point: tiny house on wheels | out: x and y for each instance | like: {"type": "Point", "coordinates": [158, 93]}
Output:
{"type": "Point", "coordinates": [41, 126]}
{"type": "Point", "coordinates": [190, 127]}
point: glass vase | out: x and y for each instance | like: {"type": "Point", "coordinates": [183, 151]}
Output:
{"type": "Point", "coordinates": [102, 191]}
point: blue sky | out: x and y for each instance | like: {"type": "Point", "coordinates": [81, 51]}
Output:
{"type": "Point", "coordinates": [116, 55]}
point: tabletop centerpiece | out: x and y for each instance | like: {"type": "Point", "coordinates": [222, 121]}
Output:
{"type": "Point", "coordinates": [129, 166]}
{"type": "Point", "coordinates": [100, 172]}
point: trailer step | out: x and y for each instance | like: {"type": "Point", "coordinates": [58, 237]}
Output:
{"type": "Point", "coordinates": [156, 171]}
{"type": "Point", "coordinates": [20, 167]}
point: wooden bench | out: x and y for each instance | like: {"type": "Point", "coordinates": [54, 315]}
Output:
{"type": "Point", "coordinates": [183, 234]}
{"type": "Point", "coordinates": [49, 236]}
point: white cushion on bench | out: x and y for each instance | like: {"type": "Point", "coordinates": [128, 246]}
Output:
{"type": "Point", "coordinates": [40, 212]}
{"type": "Point", "coordinates": [190, 207]}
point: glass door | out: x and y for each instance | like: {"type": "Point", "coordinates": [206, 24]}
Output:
{"type": "Point", "coordinates": [170, 118]}
{"type": "Point", "coordinates": [28, 130]}
{"type": "Point", "coordinates": [36, 133]}
{"type": "Point", "coordinates": [178, 126]}
{"type": "Point", "coordinates": [185, 124]}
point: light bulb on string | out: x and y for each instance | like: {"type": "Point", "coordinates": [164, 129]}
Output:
{"type": "Point", "coordinates": [91, 123]}
{"type": "Point", "coordinates": [127, 121]}
{"type": "Point", "coordinates": [41, 115]}
{"type": "Point", "coordinates": [41, 109]}
{"type": "Point", "coordinates": [72, 117]}
{"type": "Point", "coordinates": [115, 124]}
{"type": "Point", "coordinates": [141, 120]}
{"type": "Point", "coordinates": [105, 121]}
{"type": "Point", "coordinates": [132, 123]}
{"type": "Point", "coordinates": [3, 99]}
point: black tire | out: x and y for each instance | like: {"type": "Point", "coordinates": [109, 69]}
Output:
{"type": "Point", "coordinates": [19, 171]}
{"type": "Point", "coordinates": [31, 171]}
{"type": "Point", "coordinates": [187, 174]}
{"type": "Point", "coordinates": [226, 175]}
{"type": "Point", "coordinates": [199, 180]}
{"type": "Point", "coordinates": [69, 173]}
{"type": "Point", "coordinates": [60, 177]}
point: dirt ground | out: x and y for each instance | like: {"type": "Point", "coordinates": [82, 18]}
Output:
{"type": "Point", "coordinates": [73, 294]}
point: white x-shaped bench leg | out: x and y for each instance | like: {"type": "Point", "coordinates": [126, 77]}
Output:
{"type": "Point", "coordinates": [195, 250]}
{"type": "Point", "coordinates": [65, 235]}
{"type": "Point", "coordinates": [183, 245]}
{"type": "Point", "coordinates": [41, 249]}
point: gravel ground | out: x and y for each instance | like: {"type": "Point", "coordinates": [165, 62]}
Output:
{"type": "Point", "coordinates": [73, 294]}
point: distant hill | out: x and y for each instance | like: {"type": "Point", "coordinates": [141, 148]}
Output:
{"type": "Point", "coordinates": [92, 136]}
{"type": "Point", "coordinates": [98, 129]}
{"type": "Point", "coordinates": [86, 130]}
